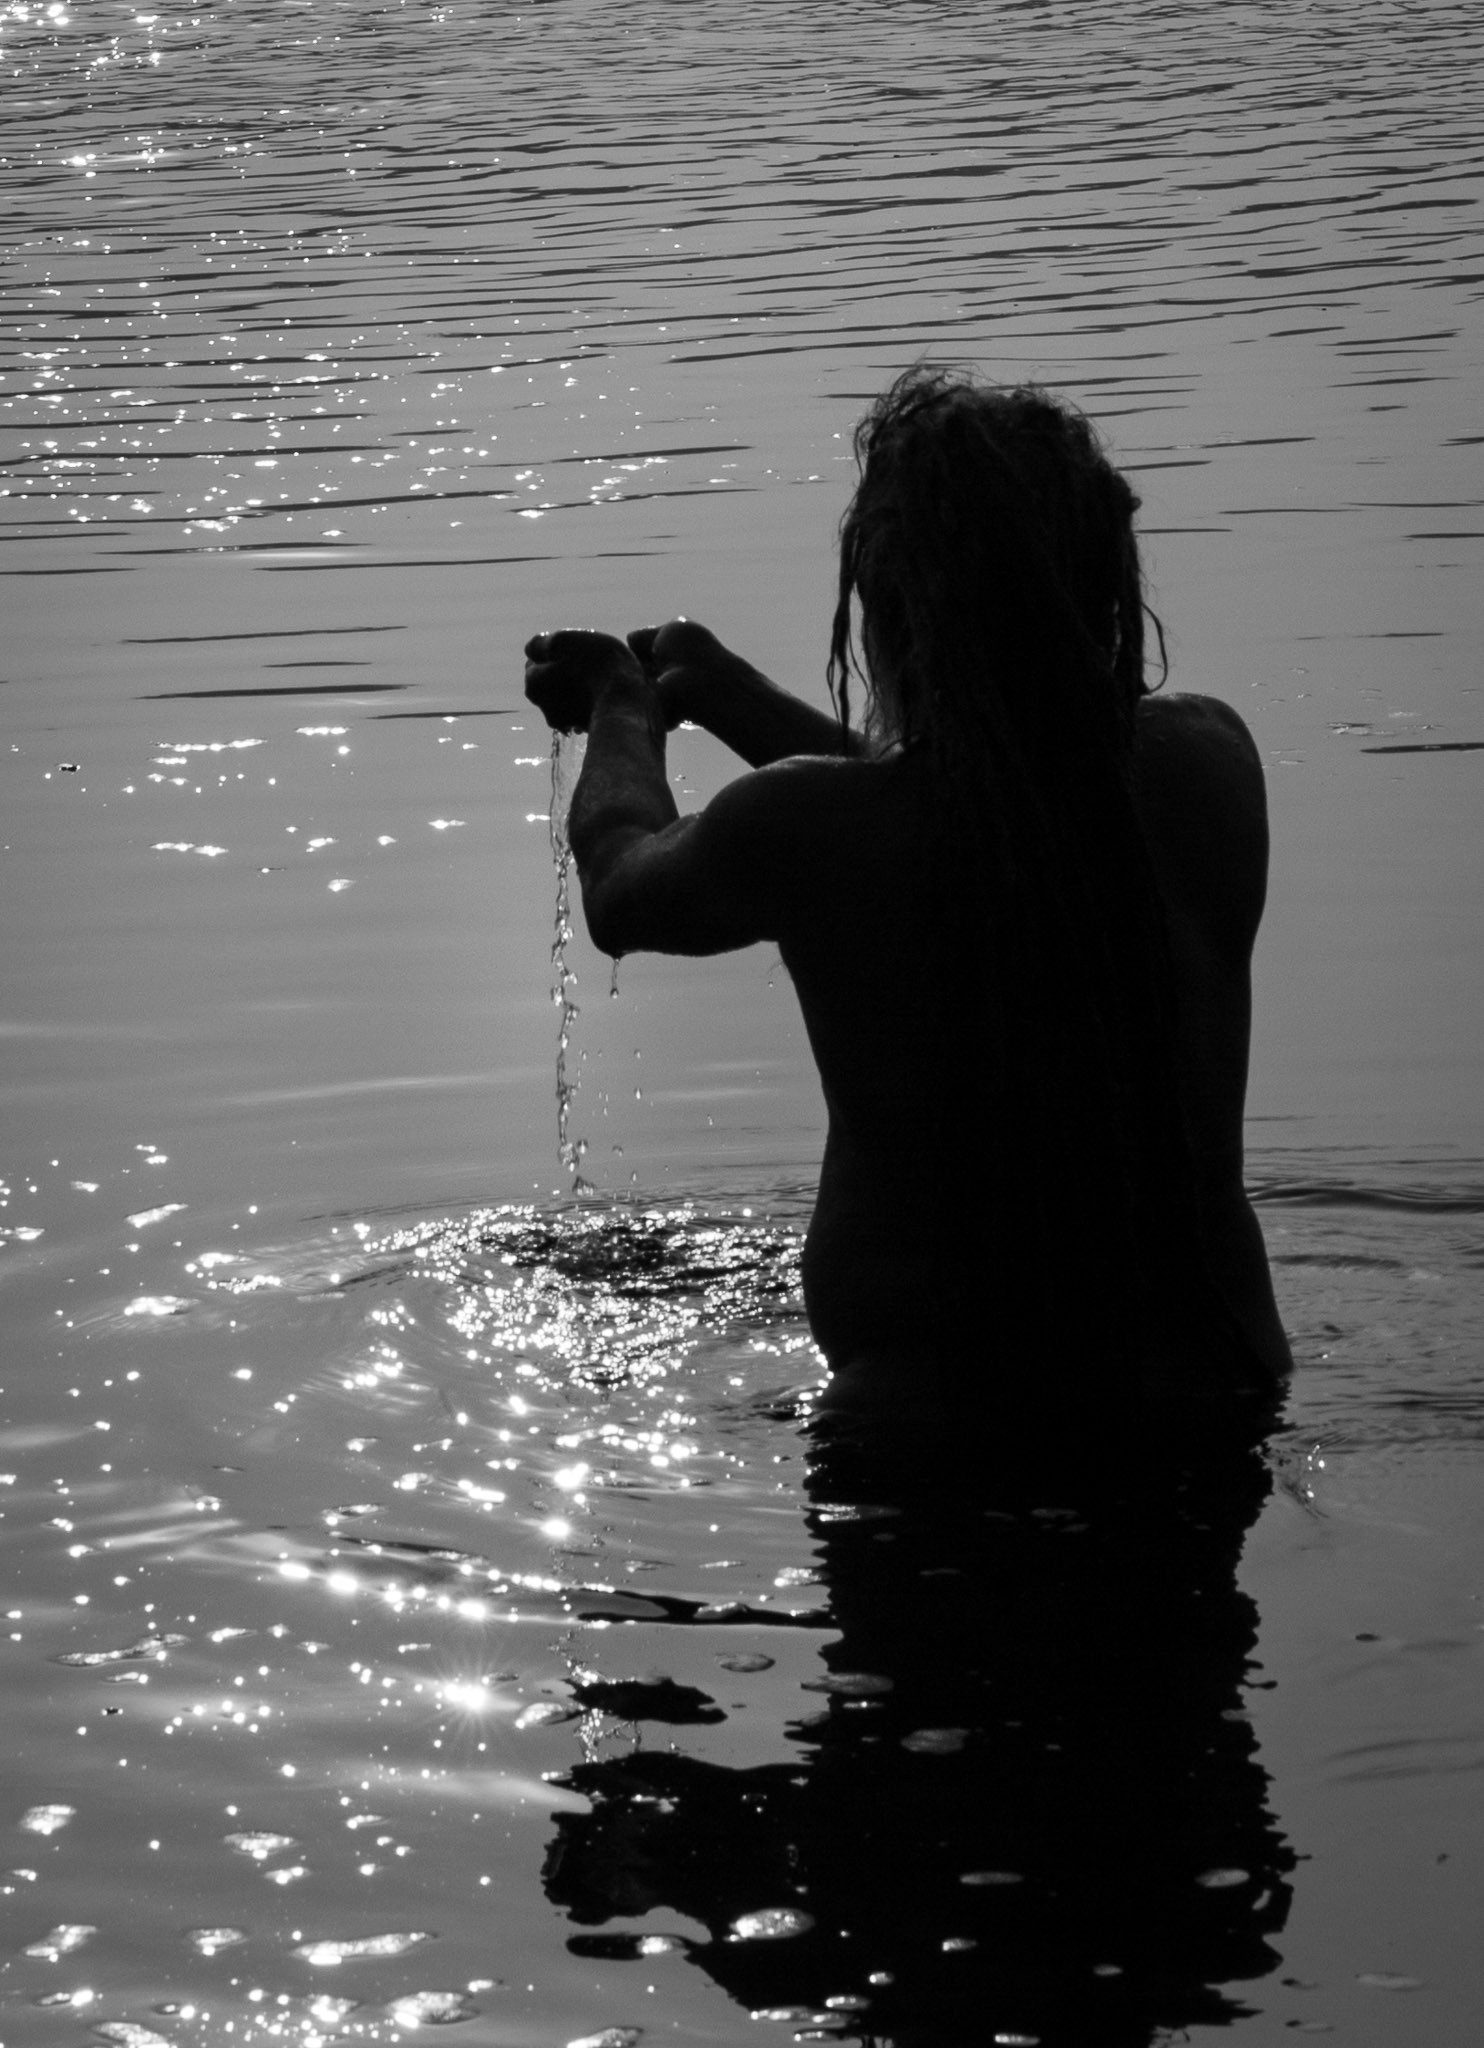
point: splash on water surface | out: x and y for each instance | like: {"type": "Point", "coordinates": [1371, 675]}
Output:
{"type": "Point", "coordinates": [442, 1467]}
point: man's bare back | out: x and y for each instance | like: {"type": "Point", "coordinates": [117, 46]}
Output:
{"type": "Point", "coordinates": [889, 1033]}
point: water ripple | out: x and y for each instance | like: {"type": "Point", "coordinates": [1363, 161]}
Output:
{"type": "Point", "coordinates": [249, 293]}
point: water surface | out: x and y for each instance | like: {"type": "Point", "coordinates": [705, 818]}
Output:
{"type": "Point", "coordinates": [434, 1561]}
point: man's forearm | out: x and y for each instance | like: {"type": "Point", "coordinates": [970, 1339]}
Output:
{"type": "Point", "coordinates": [738, 705]}
{"type": "Point", "coordinates": [622, 788]}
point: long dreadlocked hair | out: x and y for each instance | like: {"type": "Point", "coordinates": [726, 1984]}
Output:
{"type": "Point", "coordinates": [991, 548]}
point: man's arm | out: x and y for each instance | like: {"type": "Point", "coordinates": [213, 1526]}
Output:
{"type": "Point", "coordinates": [703, 683]}
{"type": "Point", "coordinates": [622, 795]}
{"type": "Point", "coordinates": [651, 880]}
{"type": "Point", "coordinates": [1203, 806]}
{"type": "Point", "coordinates": [703, 884]}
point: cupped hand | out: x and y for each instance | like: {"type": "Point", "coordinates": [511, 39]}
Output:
{"type": "Point", "coordinates": [567, 671]}
{"type": "Point", "coordinates": [676, 657]}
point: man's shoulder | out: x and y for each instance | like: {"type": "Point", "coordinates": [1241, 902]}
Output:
{"type": "Point", "coordinates": [806, 829]}
{"type": "Point", "coordinates": [1196, 747]}
{"type": "Point", "coordinates": [842, 772]}
{"type": "Point", "coordinates": [802, 786]}
{"type": "Point", "coordinates": [1202, 797]}
{"type": "Point", "coordinates": [1183, 721]}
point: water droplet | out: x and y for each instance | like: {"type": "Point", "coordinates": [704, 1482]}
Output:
{"type": "Point", "coordinates": [746, 1660]}
{"type": "Point", "coordinates": [259, 1844]}
{"type": "Point", "coordinates": [1222, 1880]}
{"type": "Point", "coordinates": [45, 1820]}
{"type": "Point", "coordinates": [60, 1942]}
{"type": "Point", "coordinates": [546, 1714]}
{"type": "Point", "coordinates": [991, 1877]}
{"type": "Point", "coordinates": [611, 2037]}
{"type": "Point", "coordinates": [432, 2009]}
{"type": "Point", "coordinates": [771, 1923]}
{"type": "Point", "coordinates": [324, 1954]}
{"type": "Point", "coordinates": [935, 1741]}
{"type": "Point", "coordinates": [151, 1648]}
{"type": "Point", "coordinates": [129, 2034]}
{"type": "Point", "coordinates": [208, 1940]}
{"type": "Point", "coordinates": [855, 1685]}
{"type": "Point", "coordinates": [1388, 1980]}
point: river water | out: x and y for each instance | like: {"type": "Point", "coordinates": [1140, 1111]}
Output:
{"type": "Point", "coordinates": [423, 1604]}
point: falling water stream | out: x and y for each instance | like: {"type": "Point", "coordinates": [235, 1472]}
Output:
{"type": "Point", "coordinates": [566, 764]}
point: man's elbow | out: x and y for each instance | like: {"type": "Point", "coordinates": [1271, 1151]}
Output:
{"type": "Point", "coordinates": [605, 914]}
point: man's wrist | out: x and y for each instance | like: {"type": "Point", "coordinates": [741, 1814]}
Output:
{"type": "Point", "coordinates": [621, 681]}
{"type": "Point", "coordinates": [627, 688]}
{"type": "Point", "coordinates": [675, 694]}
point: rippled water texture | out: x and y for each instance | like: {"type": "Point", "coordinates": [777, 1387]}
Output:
{"type": "Point", "coordinates": [427, 1605]}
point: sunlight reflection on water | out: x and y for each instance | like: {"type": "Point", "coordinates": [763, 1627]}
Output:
{"type": "Point", "coordinates": [477, 1465]}
{"type": "Point", "coordinates": [346, 1460]}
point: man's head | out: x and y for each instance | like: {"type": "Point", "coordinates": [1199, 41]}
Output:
{"type": "Point", "coordinates": [990, 545]}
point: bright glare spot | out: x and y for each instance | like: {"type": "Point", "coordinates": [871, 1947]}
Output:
{"type": "Point", "coordinates": [156, 1305]}
{"type": "Point", "coordinates": [472, 1695]}
{"type": "Point", "coordinates": [143, 1217]}
{"type": "Point", "coordinates": [45, 1820]}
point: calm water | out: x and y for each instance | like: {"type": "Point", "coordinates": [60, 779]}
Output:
{"type": "Point", "coordinates": [423, 1603]}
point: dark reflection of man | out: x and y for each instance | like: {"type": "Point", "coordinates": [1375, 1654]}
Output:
{"type": "Point", "coordinates": [1051, 1827]}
